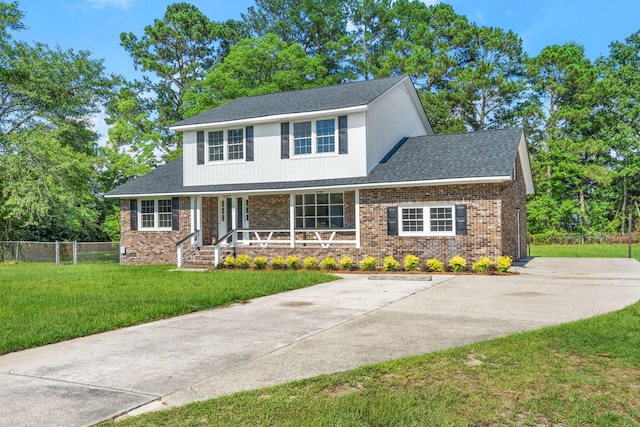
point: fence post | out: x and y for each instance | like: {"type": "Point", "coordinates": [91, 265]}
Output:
{"type": "Point", "coordinates": [75, 252]}
{"type": "Point", "coordinates": [57, 253]}
{"type": "Point", "coordinates": [17, 249]}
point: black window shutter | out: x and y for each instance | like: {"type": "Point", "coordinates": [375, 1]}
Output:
{"type": "Point", "coordinates": [461, 219]}
{"type": "Point", "coordinates": [200, 141]}
{"type": "Point", "coordinates": [175, 213]}
{"type": "Point", "coordinates": [249, 136]}
{"type": "Point", "coordinates": [392, 220]}
{"type": "Point", "coordinates": [133, 213]}
{"type": "Point", "coordinates": [343, 142]}
{"type": "Point", "coordinates": [284, 141]}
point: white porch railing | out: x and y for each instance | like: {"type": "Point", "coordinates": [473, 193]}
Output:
{"type": "Point", "coordinates": [282, 238]}
{"type": "Point", "coordinates": [186, 248]}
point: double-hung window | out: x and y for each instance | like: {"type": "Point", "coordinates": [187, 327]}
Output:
{"type": "Point", "coordinates": [314, 137]}
{"type": "Point", "coordinates": [302, 138]}
{"type": "Point", "coordinates": [322, 210]}
{"type": "Point", "coordinates": [427, 220]}
{"type": "Point", "coordinates": [235, 144]}
{"type": "Point", "coordinates": [155, 214]}
{"type": "Point", "coordinates": [216, 146]}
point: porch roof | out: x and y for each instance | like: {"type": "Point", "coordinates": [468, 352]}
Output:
{"type": "Point", "coordinates": [471, 157]}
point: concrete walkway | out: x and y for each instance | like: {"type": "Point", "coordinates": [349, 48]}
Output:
{"type": "Point", "coordinates": [322, 329]}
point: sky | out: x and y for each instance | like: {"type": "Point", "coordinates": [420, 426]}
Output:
{"type": "Point", "coordinates": [95, 25]}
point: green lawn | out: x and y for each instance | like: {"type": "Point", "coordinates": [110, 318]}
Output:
{"type": "Point", "coordinates": [585, 251]}
{"type": "Point", "coordinates": [42, 303]}
{"type": "Point", "coordinates": [585, 373]}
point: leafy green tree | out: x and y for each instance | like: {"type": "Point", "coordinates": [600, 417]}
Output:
{"type": "Point", "coordinates": [259, 66]}
{"type": "Point", "coordinates": [319, 27]}
{"type": "Point", "coordinates": [176, 52]}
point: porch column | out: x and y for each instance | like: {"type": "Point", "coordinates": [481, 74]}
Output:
{"type": "Point", "coordinates": [357, 214]}
{"type": "Point", "coordinates": [292, 219]}
{"type": "Point", "coordinates": [193, 214]}
{"type": "Point", "coordinates": [198, 224]}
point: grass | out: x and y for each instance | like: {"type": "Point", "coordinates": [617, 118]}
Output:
{"type": "Point", "coordinates": [42, 303]}
{"type": "Point", "coordinates": [576, 374]}
{"type": "Point", "coordinates": [585, 251]}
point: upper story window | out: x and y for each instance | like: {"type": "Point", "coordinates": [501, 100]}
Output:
{"type": "Point", "coordinates": [229, 148]}
{"type": "Point", "coordinates": [314, 137]}
{"type": "Point", "coordinates": [427, 220]}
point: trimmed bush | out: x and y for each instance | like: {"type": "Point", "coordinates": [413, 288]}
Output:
{"type": "Point", "coordinates": [434, 265]}
{"type": "Point", "coordinates": [229, 262]}
{"type": "Point", "coordinates": [328, 263]}
{"type": "Point", "coordinates": [503, 263]}
{"type": "Point", "coordinates": [243, 261]}
{"type": "Point", "coordinates": [411, 262]}
{"type": "Point", "coordinates": [310, 263]}
{"type": "Point", "coordinates": [293, 262]}
{"type": "Point", "coordinates": [369, 263]}
{"type": "Point", "coordinates": [390, 264]}
{"type": "Point", "coordinates": [277, 263]}
{"type": "Point", "coordinates": [346, 263]}
{"type": "Point", "coordinates": [482, 265]}
{"type": "Point", "coordinates": [457, 264]}
{"type": "Point", "coordinates": [260, 263]}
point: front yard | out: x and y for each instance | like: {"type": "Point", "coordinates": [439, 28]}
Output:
{"type": "Point", "coordinates": [42, 304]}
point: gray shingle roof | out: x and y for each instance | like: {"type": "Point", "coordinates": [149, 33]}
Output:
{"type": "Point", "coordinates": [300, 101]}
{"type": "Point", "coordinates": [423, 158]}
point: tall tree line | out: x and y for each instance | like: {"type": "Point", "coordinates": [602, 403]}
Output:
{"type": "Point", "coordinates": [581, 116]}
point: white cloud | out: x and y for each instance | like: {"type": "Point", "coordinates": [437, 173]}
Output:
{"type": "Point", "coordinates": [101, 4]}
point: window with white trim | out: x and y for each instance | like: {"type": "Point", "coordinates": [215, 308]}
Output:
{"type": "Point", "coordinates": [155, 214]}
{"type": "Point", "coordinates": [235, 144]}
{"type": "Point", "coordinates": [216, 146]}
{"type": "Point", "coordinates": [314, 137]}
{"type": "Point", "coordinates": [427, 220]}
{"type": "Point", "coordinates": [321, 210]}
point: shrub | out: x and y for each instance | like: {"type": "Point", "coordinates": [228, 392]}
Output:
{"type": "Point", "coordinates": [260, 262]}
{"type": "Point", "coordinates": [328, 263]}
{"type": "Point", "coordinates": [229, 262]}
{"type": "Point", "coordinates": [390, 264]}
{"type": "Point", "coordinates": [310, 263]}
{"type": "Point", "coordinates": [503, 263]}
{"type": "Point", "coordinates": [369, 263]}
{"type": "Point", "coordinates": [457, 263]}
{"type": "Point", "coordinates": [482, 265]}
{"type": "Point", "coordinates": [243, 261]}
{"type": "Point", "coordinates": [293, 262]}
{"type": "Point", "coordinates": [277, 263]}
{"type": "Point", "coordinates": [434, 264]}
{"type": "Point", "coordinates": [346, 263]}
{"type": "Point", "coordinates": [411, 262]}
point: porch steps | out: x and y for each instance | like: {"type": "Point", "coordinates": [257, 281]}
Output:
{"type": "Point", "coordinates": [203, 258]}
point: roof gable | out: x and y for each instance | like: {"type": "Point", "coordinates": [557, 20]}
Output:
{"type": "Point", "coordinates": [325, 98]}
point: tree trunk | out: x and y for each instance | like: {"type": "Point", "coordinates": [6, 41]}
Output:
{"type": "Point", "coordinates": [624, 203]}
{"type": "Point", "coordinates": [549, 179]}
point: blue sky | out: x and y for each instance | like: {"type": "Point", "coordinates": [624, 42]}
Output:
{"type": "Point", "coordinates": [96, 25]}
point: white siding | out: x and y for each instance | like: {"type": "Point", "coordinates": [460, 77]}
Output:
{"type": "Point", "coordinates": [392, 117]}
{"type": "Point", "coordinates": [269, 167]}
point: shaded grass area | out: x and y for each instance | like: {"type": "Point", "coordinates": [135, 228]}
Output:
{"type": "Point", "coordinates": [577, 374]}
{"type": "Point", "coordinates": [42, 303]}
{"type": "Point", "coordinates": [585, 251]}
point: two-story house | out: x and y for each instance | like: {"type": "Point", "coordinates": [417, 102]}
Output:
{"type": "Point", "coordinates": [353, 169]}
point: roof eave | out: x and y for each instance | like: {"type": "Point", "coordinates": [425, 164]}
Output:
{"type": "Point", "coordinates": [267, 119]}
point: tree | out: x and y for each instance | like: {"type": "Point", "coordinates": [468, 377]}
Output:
{"type": "Point", "coordinates": [259, 66]}
{"type": "Point", "coordinates": [48, 181]}
{"type": "Point", "coordinates": [319, 27]}
{"type": "Point", "coordinates": [177, 51]}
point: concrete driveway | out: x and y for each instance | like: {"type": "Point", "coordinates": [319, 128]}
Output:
{"type": "Point", "coordinates": [303, 333]}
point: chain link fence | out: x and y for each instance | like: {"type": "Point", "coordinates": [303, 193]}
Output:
{"type": "Point", "coordinates": [60, 253]}
{"type": "Point", "coordinates": [581, 239]}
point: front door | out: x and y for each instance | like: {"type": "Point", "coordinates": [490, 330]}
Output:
{"type": "Point", "coordinates": [234, 213]}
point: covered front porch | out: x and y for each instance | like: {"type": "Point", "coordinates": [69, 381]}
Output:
{"type": "Point", "coordinates": [313, 219]}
